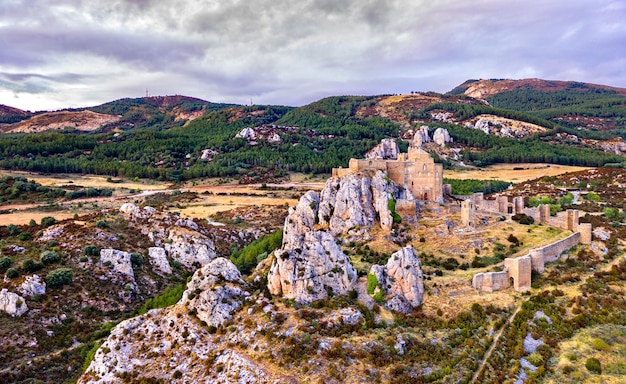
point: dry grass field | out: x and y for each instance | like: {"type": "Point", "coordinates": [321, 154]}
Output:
{"type": "Point", "coordinates": [514, 173]}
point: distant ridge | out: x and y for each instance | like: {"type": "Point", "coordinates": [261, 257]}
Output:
{"type": "Point", "coordinates": [483, 89]}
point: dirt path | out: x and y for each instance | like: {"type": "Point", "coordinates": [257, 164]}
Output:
{"type": "Point", "coordinates": [481, 367]}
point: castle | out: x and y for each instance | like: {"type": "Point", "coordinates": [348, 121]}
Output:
{"type": "Point", "coordinates": [416, 170]}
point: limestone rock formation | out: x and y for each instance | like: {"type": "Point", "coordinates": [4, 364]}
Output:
{"type": "Point", "coordinates": [158, 258]}
{"type": "Point", "coordinates": [356, 200]}
{"type": "Point", "coordinates": [247, 133]}
{"type": "Point", "coordinates": [221, 292]}
{"type": "Point", "coordinates": [441, 137]}
{"type": "Point", "coordinates": [33, 285]}
{"type": "Point", "coordinates": [386, 150]}
{"type": "Point", "coordinates": [307, 272]}
{"type": "Point", "coordinates": [401, 280]}
{"type": "Point", "coordinates": [12, 303]}
{"type": "Point", "coordinates": [119, 261]}
{"type": "Point", "coordinates": [189, 247]}
{"type": "Point", "coordinates": [421, 136]}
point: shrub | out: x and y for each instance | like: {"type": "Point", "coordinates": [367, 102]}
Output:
{"type": "Point", "coordinates": [13, 229]}
{"type": "Point", "coordinates": [372, 282]}
{"type": "Point", "coordinates": [5, 262]}
{"type": "Point", "coordinates": [48, 221]}
{"type": "Point", "coordinates": [25, 236]}
{"type": "Point", "coordinates": [599, 344]}
{"type": "Point", "coordinates": [60, 276]}
{"type": "Point", "coordinates": [91, 250]}
{"type": "Point", "coordinates": [32, 223]}
{"type": "Point", "coordinates": [12, 273]}
{"type": "Point", "coordinates": [101, 224]}
{"type": "Point", "coordinates": [593, 365]}
{"type": "Point", "coordinates": [450, 264]}
{"type": "Point", "coordinates": [49, 257]}
{"type": "Point", "coordinates": [31, 266]}
{"type": "Point", "coordinates": [136, 259]}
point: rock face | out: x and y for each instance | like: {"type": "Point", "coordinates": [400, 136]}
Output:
{"type": "Point", "coordinates": [158, 259]}
{"type": "Point", "coordinates": [247, 133]}
{"type": "Point", "coordinates": [401, 280]}
{"type": "Point", "coordinates": [441, 137]}
{"type": "Point", "coordinates": [33, 285]}
{"type": "Point", "coordinates": [189, 247]}
{"type": "Point", "coordinates": [12, 303]}
{"type": "Point", "coordinates": [421, 136]}
{"type": "Point", "coordinates": [220, 290]}
{"type": "Point", "coordinates": [386, 150]}
{"type": "Point", "coordinates": [119, 261]}
{"type": "Point", "coordinates": [310, 263]}
{"type": "Point", "coordinates": [307, 273]}
{"type": "Point", "coordinates": [356, 200]}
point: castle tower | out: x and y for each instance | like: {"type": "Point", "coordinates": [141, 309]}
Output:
{"type": "Point", "coordinates": [468, 211]}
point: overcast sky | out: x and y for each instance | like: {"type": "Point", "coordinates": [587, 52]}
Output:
{"type": "Point", "coordinates": [68, 53]}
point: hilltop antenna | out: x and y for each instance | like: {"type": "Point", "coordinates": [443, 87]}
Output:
{"type": "Point", "coordinates": [147, 94]}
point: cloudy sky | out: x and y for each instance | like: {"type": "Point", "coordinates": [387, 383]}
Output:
{"type": "Point", "coordinates": [69, 53]}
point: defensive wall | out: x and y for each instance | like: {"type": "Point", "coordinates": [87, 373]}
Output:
{"type": "Point", "coordinates": [518, 271]}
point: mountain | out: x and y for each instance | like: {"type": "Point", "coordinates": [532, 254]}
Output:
{"type": "Point", "coordinates": [11, 115]}
{"type": "Point", "coordinates": [181, 138]}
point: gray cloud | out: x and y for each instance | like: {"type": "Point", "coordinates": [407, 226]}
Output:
{"type": "Point", "coordinates": [286, 52]}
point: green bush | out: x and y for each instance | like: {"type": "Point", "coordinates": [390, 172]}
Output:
{"type": "Point", "coordinates": [247, 258]}
{"type": "Point", "coordinates": [91, 250]}
{"type": "Point", "coordinates": [5, 262]}
{"type": "Point", "coordinates": [101, 224]}
{"type": "Point", "coordinates": [31, 266]}
{"type": "Point", "coordinates": [167, 298]}
{"type": "Point", "coordinates": [48, 221]}
{"type": "Point", "coordinates": [13, 229]}
{"type": "Point", "coordinates": [60, 276]}
{"type": "Point", "coordinates": [12, 273]}
{"type": "Point", "coordinates": [25, 236]}
{"type": "Point", "coordinates": [593, 365]}
{"type": "Point", "coordinates": [49, 257]}
{"type": "Point", "coordinates": [32, 223]}
{"type": "Point", "coordinates": [136, 259]}
{"type": "Point", "coordinates": [372, 283]}
{"type": "Point", "coordinates": [450, 264]}
{"type": "Point", "coordinates": [599, 344]}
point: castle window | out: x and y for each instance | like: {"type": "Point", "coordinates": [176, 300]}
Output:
{"type": "Point", "coordinates": [424, 168]}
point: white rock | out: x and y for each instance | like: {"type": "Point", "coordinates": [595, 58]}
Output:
{"type": "Point", "coordinates": [306, 273]}
{"type": "Point", "coordinates": [221, 292]}
{"type": "Point", "coordinates": [247, 133]}
{"type": "Point", "coordinates": [158, 259]}
{"type": "Point", "coordinates": [401, 280]}
{"type": "Point", "coordinates": [119, 260]}
{"type": "Point", "coordinates": [441, 137]}
{"type": "Point", "coordinates": [386, 150]}
{"type": "Point", "coordinates": [12, 303]}
{"type": "Point", "coordinates": [33, 285]}
{"type": "Point", "coordinates": [421, 136]}
{"type": "Point", "coordinates": [189, 247]}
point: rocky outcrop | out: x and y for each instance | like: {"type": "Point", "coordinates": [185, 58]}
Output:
{"type": "Point", "coordinates": [421, 136]}
{"type": "Point", "coordinates": [158, 259]}
{"type": "Point", "coordinates": [12, 303]}
{"type": "Point", "coordinates": [119, 261]}
{"type": "Point", "coordinates": [401, 280]}
{"type": "Point", "coordinates": [189, 247]}
{"type": "Point", "coordinates": [356, 200]}
{"type": "Point", "coordinates": [441, 137]}
{"type": "Point", "coordinates": [308, 272]}
{"type": "Point", "coordinates": [32, 286]}
{"type": "Point", "coordinates": [246, 133]}
{"type": "Point", "coordinates": [215, 292]}
{"type": "Point", "coordinates": [386, 150]}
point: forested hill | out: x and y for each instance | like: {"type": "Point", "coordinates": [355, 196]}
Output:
{"type": "Point", "coordinates": [180, 138]}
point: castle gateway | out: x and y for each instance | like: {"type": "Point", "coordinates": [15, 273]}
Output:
{"type": "Point", "coordinates": [416, 170]}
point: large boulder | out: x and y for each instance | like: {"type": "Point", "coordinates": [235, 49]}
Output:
{"type": "Point", "coordinates": [401, 280]}
{"type": "Point", "coordinates": [12, 303]}
{"type": "Point", "coordinates": [421, 136]}
{"type": "Point", "coordinates": [386, 150]}
{"type": "Point", "coordinates": [441, 137]}
{"type": "Point", "coordinates": [158, 259]}
{"type": "Point", "coordinates": [215, 292]}
{"type": "Point", "coordinates": [188, 247]}
{"type": "Point", "coordinates": [32, 286]}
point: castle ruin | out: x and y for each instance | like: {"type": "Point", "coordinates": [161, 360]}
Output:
{"type": "Point", "coordinates": [416, 170]}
